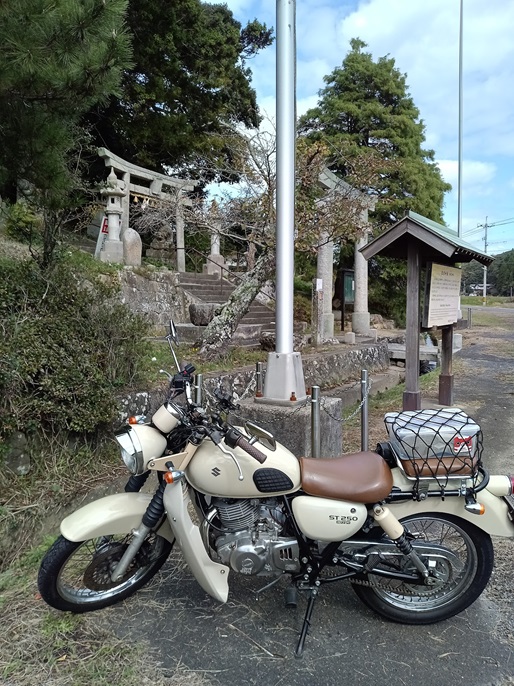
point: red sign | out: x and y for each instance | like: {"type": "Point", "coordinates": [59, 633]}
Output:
{"type": "Point", "coordinates": [105, 225]}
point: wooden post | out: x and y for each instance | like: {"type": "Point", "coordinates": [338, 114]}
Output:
{"type": "Point", "coordinates": [446, 376]}
{"type": "Point", "coordinates": [412, 395]}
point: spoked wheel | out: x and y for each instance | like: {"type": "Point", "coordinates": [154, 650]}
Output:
{"type": "Point", "coordinates": [462, 562]}
{"type": "Point", "coordinates": [77, 576]}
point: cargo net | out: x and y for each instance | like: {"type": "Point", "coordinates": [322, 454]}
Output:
{"type": "Point", "coordinates": [435, 444]}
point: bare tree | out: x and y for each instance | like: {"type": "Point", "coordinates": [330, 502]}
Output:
{"type": "Point", "coordinates": [246, 210]}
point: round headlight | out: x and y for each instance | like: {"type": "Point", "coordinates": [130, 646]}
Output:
{"type": "Point", "coordinates": [131, 451]}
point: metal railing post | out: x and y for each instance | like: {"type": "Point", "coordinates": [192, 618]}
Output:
{"type": "Point", "coordinates": [258, 379]}
{"type": "Point", "coordinates": [198, 389]}
{"type": "Point", "coordinates": [470, 321]}
{"type": "Point", "coordinates": [364, 410]}
{"type": "Point", "coordinates": [315, 422]}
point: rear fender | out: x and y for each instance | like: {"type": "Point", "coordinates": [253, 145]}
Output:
{"type": "Point", "coordinates": [494, 521]}
{"type": "Point", "coordinates": [119, 513]}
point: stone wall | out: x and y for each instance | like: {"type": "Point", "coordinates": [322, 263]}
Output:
{"type": "Point", "coordinates": [156, 294]}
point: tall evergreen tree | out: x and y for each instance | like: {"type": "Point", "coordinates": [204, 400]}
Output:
{"type": "Point", "coordinates": [57, 59]}
{"type": "Point", "coordinates": [367, 103]}
{"type": "Point", "coordinates": [189, 81]}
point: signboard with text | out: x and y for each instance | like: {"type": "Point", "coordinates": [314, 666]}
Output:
{"type": "Point", "coordinates": [102, 235]}
{"type": "Point", "coordinates": [441, 295]}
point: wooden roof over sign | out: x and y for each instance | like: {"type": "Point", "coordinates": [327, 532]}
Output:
{"type": "Point", "coordinates": [436, 243]}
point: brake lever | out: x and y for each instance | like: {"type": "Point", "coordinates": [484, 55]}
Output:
{"type": "Point", "coordinates": [216, 438]}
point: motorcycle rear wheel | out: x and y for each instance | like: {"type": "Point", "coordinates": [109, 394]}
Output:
{"type": "Point", "coordinates": [462, 582]}
{"type": "Point", "coordinates": [75, 577]}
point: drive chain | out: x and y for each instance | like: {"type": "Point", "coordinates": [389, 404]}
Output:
{"type": "Point", "coordinates": [399, 590]}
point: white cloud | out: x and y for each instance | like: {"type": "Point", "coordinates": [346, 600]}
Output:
{"type": "Point", "coordinates": [476, 175]}
{"type": "Point", "coordinates": [423, 39]}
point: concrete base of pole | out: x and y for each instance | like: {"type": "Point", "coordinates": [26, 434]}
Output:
{"type": "Point", "coordinates": [327, 324]}
{"type": "Point", "coordinates": [284, 383]}
{"type": "Point", "coordinates": [292, 426]}
{"type": "Point", "coordinates": [112, 252]}
{"type": "Point", "coordinates": [214, 265]}
{"type": "Point", "coordinates": [360, 322]}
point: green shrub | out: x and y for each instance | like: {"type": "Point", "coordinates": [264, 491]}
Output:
{"type": "Point", "coordinates": [21, 223]}
{"type": "Point", "coordinates": [66, 346]}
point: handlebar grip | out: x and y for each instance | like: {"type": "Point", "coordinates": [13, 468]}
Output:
{"type": "Point", "coordinates": [251, 449]}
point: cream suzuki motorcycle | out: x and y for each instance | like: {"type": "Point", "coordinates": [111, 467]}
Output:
{"type": "Point", "coordinates": [409, 526]}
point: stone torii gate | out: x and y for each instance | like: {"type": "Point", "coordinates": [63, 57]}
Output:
{"type": "Point", "coordinates": [331, 183]}
{"type": "Point", "coordinates": [149, 185]}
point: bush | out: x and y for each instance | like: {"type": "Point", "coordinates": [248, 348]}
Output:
{"type": "Point", "coordinates": [66, 346]}
{"type": "Point", "coordinates": [21, 223]}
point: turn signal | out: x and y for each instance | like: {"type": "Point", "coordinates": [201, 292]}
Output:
{"type": "Point", "coordinates": [475, 508]}
{"type": "Point", "coordinates": [168, 477]}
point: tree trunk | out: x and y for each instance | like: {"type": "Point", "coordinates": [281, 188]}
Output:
{"type": "Point", "coordinates": [219, 332]}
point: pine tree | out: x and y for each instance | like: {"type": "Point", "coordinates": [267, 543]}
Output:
{"type": "Point", "coordinates": [189, 83]}
{"type": "Point", "coordinates": [57, 59]}
{"type": "Point", "coordinates": [367, 104]}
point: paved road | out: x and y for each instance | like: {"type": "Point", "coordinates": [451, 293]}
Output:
{"type": "Point", "coordinates": [248, 642]}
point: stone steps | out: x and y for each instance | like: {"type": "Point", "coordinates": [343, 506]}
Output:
{"type": "Point", "coordinates": [209, 288]}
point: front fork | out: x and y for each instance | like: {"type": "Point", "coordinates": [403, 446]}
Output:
{"type": "Point", "coordinates": [151, 518]}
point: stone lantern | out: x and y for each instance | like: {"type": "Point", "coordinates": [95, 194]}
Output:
{"type": "Point", "coordinates": [113, 192]}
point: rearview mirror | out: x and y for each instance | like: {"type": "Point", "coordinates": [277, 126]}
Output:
{"type": "Point", "coordinates": [265, 437]}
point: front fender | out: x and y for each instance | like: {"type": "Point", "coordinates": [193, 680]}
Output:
{"type": "Point", "coordinates": [119, 513]}
{"type": "Point", "coordinates": [494, 521]}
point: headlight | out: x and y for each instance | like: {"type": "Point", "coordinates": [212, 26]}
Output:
{"type": "Point", "coordinates": [131, 451]}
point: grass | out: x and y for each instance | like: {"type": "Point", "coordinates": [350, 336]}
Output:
{"type": "Point", "coordinates": [61, 649]}
{"type": "Point", "coordinates": [491, 301]}
{"type": "Point", "coordinates": [378, 404]}
{"type": "Point", "coordinates": [66, 474]}
{"type": "Point", "coordinates": [159, 357]}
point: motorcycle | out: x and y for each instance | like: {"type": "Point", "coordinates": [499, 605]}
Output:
{"type": "Point", "coordinates": [408, 525]}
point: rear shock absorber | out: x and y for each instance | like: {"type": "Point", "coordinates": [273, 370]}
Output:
{"type": "Point", "coordinates": [396, 532]}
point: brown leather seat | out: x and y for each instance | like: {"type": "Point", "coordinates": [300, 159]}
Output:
{"type": "Point", "coordinates": [358, 477]}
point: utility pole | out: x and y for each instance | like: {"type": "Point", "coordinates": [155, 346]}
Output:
{"type": "Point", "coordinates": [484, 290]}
{"type": "Point", "coordinates": [459, 178]}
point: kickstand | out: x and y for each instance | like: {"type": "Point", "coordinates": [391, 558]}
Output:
{"type": "Point", "coordinates": [306, 623]}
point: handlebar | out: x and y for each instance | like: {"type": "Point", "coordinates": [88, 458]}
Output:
{"type": "Point", "coordinates": [242, 443]}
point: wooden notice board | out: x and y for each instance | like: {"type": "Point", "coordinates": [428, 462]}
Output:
{"type": "Point", "coordinates": [442, 290]}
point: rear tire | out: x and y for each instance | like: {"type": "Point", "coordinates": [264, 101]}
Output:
{"type": "Point", "coordinates": [463, 577]}
{"type": "Point", "coordinates": [75, 577]}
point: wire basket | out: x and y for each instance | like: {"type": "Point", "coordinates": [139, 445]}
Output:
{"type": "Point", "coordinates": [435, 444]}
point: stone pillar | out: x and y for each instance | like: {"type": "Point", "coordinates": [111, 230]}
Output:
{"type": "Point", "coordinates": [125, 204]}
{"type": "Point", "coordinates": [179, 233]}
{"type": "Point", "coordinates": [215, 261]}
{"type": "Point", "coordinates": [360, 316]}
{"type": "Point", "coordinates": [325, 270]}
{"type": "Point", "coordinates": [112, 250]}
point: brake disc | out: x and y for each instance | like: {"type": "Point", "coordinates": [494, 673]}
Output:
{"type": "Point", "coordinates": [97, 575]}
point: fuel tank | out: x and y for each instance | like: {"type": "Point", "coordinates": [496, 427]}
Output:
{"type": "Point", "coordinates": [213, 473]}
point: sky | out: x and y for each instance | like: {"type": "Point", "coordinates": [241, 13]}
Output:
{"type": "Point", "coordinates": [423, 38]}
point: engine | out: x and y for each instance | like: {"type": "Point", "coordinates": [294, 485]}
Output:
{"type": "Point", "coordinates": [249, 540]}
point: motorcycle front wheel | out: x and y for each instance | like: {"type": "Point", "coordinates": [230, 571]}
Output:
{"type": "Point", "coordinates": [76, 577]}
{"type": "Point", "coordinates": [462, 574]}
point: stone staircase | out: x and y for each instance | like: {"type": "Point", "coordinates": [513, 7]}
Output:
{"type": "Point", "coordinates": [210, 289]}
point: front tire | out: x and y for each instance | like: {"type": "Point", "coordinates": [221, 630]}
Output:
{"type": "Point", "coordinates": [464, 574]}
{"type": "Point", "coordinates": [75, 577]}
